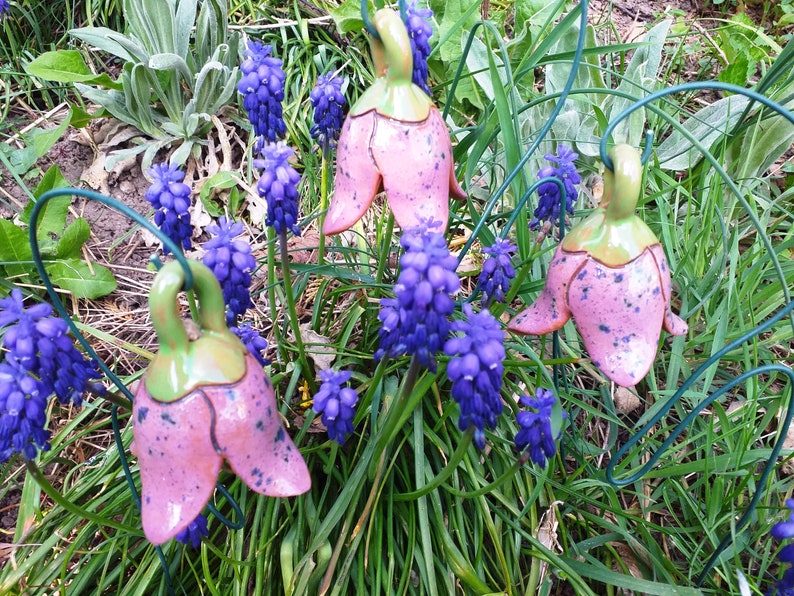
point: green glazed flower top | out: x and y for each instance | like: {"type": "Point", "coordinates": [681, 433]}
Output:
{"type": "Point", "coordinates": [393, 94]}
{"type": "Point", "coordinates": [613, 233]}
{"type": "Point", "coordinates": [216, 357]}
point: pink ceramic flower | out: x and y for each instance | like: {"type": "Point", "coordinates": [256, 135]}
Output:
{"type": "Point", "coordinates": [200, 403]}
{"type": "Point", "coordinates": [611, 276]}
{"type": "Point", "coordinates": [394, 138]}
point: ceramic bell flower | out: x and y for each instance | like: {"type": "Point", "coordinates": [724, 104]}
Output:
{"type": "Point", "coordinates": [393, 137]}
{"type": "Point", "coordinates": [611, 276]}
{"type": "Point", "coordinates": [200, 403]}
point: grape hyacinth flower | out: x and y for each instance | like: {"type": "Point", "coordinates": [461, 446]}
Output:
{"type": "Point", "coordinates": [230, 259]}
{"type": "Point", "coordinates": [193, 534]}
{"type": "Point", "coordinates": [336, 404]}
{"type": "Point", "coordinates": [23, 402]}
{"type": "Point", "coordinates": [41, 360]}
{"type": "Point", "coordinates": [171, 199]}
{"type": "Point", "coordinates": [278, 185]}
{"type": "Point", "coordinates": [784, 531]}
{"type": "Point", "coordinates": [536, 434]}
{"type": "Point", "coordinates": [4, 7]}
{"type": "Point", "coordinates": [252, 340]}
{"type": "Point", "coordinates": [262, 86]}
{"type": "Point", "coordinates": [420, 30]}
{"type": "Point", "coordinates": [416, 320]}
{"type": "Point", "coordinates": [328, 103]}
{"type": "Point", "coordinates": [497, 271]}
{"type": "Point", "coordinates": [548, 209]}
{"type": "Point", "coordinates": [476, 369]}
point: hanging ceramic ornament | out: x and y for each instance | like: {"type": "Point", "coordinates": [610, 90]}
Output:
{"type": "Point", "coordinates": [202, 402]}
{"type": "Point", "coordinates": [393, 137]}
{"type": "Point", "coordinates": [611, 276]}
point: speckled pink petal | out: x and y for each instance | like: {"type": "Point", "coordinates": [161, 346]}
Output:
{"type": "Point", "coordinates": [673, 324]}
{"type": "Point", "coordinates": [415, 159]}
{"type": "Point", "coordinates": [178, 462]}
{"type": "Point", "coordinates": [619, 312]}
{"type": "Point", "coordinates": [550, 311]}
{"type": "Point", "coordinates": [357, 177]}
{"type": "Point", "coordinates": [249, 433]}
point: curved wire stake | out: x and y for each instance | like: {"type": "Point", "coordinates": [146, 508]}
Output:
{"type": "Point", "coordinates": [367, 21]}
{"type": "Point", "coordinates": [786, 311]}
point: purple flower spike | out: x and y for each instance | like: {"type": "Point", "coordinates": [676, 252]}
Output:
{"type": "Point", "coordinates": [548, 209]}
{"type": "Point", "coordinates": [336, 404]}
{"type": "Point", "coordinates": [41, 360]}
{"type": "Point", "coordinates": [262, 87]}
{"type": "Point", "coordinates": [420, 30]}
{"type": "Point", "coordinates": [171, 199]}
{"type": "Point", "coordinates": [193, 534]}
{"type": "Point", "coordinates": [329, 103]}
{"type": "Point", "coordinates": [476, 369]}
{"type": "Point", "coordinates": [231, 261]}
{"type": "Point", "coordinates": [416, 321]}
{"type": "Point", "coordinates": [252, 340]}
{"type": "Point", "coordinates": [497, 271]}
{"type": "Point", "coordinates": [536, 434]}
{"type": "Point", "coordinates": [278, 185]}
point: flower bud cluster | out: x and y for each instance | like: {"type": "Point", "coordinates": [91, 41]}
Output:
{"type": "Point", "coordinates": [536, 434]}
{"type": "Point", "coordinates": [40, 360]}
{"type": "Point", "coordinates": [336, 404]}
{"type": "Point", "coordinates": [416, 321]}
{"type": "Point", "coordinates": [230, 259]}
{"type": "Point", "coordinates": [475, 369]}
{"type": "Point", "coordinates": [328, 103]}
{"type": "Point", "coordinates": [193, 534]}
{"type": "Point", "coordinates": [171, 199]}
{"type": "Point", "coordinates": [497, 271]}
{"type": "Point", "coordinates": [548, 209]}
{"type": "Point", "coordinates": [420, 30]}
{"type": "Point", "coordinates": [262, 87]}
{"type": "Point", "coordinates": [278, 185]}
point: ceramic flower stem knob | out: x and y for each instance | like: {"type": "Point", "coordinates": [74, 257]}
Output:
{"type": "Point", "coordinates": [393, 137]}
{"type": "Point", "coordinates": [202, 402]}
{"type": "Point", "coordinates": [611, 276]}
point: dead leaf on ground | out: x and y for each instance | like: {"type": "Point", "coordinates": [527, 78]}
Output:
{"type": "Point", "coordinates": [317, 348]}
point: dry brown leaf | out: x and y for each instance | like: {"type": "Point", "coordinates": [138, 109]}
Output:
{"type": "Point", "coordinates": [546, 533]}
{"type": "Point", "coordinates": [626, 399]}
{"type": "Point", "coordinates": [321, 353]}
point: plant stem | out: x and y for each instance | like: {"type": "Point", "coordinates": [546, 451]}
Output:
{"type": "Point", "coordinates": [324, 175]}
{"type": "Point", "coordinates": [293, 313]}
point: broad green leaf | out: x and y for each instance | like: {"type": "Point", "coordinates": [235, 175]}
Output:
{"type": "Point", "coordinates": [43, 140]}
{"type": "Point", "coordinates": [184, 19]}
{"type": "Point", "coordinates": [173, 62]}
{"type": "Point", "coordinates": [72, 240]}
{"type": "Point", "coordinates": [79, 117]}
{"type": "Point", "coordinates": [14, 245]}
{"type": "Point", "coordinates": [760, 146]}
{"type": "Point", "coordinates": [67, 66]}
{"type": "Point", "coordinates": [129, 50]}
{"type": "Point", "coordinates": [347, 16]}
{"type": "Point", "coordinates": [676, 152]}
{"type": "Point", "coordinates": [151, 21]}
{"type": "Point", "coordinates": [82, 280]}
{"type": "Point", "coordinates": [51, 218]}
{"type": "Point", "coordinates": [220, 181]}
{"type": "Point", "coordinates": [639, 80]}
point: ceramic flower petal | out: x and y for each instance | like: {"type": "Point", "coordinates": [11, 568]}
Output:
{"type": "Point", "coordinates": [178, 462]}
{"type": "Point", "coordinates": [394, 138]}
{"type": "Point", "coordinates": [611, 276]}
{"type": "Point", "coordinates": [250, 436]}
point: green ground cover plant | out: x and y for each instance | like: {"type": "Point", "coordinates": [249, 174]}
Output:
{"type": "Point", "coordinates": [409, 502]}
